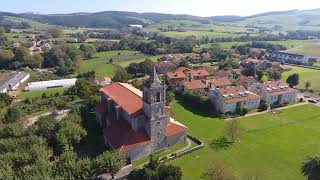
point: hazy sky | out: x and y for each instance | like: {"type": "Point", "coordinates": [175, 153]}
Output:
{"type": "Point", "coordinates": [194, 7]}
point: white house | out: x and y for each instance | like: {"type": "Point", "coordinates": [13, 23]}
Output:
{"type": "Point", "coordinates": [228, 99]}
{"type": "Point", "coordinates": [13, 82]}
{"type": "Point", "coordinates": [275, 92]}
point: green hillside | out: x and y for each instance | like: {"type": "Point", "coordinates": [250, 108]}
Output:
{"type": "Point", "coordinates": [288, 20]}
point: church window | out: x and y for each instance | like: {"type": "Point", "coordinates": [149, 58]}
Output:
{"type": "Point", "coordinates": [158, 97]}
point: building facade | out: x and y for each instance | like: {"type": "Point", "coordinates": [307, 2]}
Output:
{"type": "Point", "coordinates": [275, 92]}
{"type": "Point", "coordinates": [138, 123]}
{"type": "Point", "coordinates": [228, 99]}
{"type": "Point", "coordinates": [13, 82]}
{"type": "Point", "coordinates": [292, 58]}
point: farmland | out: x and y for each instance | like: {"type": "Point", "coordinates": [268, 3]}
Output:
{"type": "Point", "coordinates": [101, 62]}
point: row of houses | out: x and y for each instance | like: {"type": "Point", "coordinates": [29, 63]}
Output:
{"type": "Point", "coordinates": [292, 58]}
{"type": "Point", "coordinates": [194, 57]}
{"type": "Point", "coordinates": [229, 89]}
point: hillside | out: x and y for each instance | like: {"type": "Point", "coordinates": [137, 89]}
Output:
{"type": "Point", "coordinates": [282, 20]}
{"type": "Point", "coordinates": [106, 19]}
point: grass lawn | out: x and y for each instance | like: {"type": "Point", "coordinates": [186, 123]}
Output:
{"type": "Point", "coordinates": [305, 75]}
{"type": "Point", "coordinates": [310, 48]}
{"type": "Point", "coordinates": [33, 94]}
{"type": "Point", "coordinates": [100, 62]}
{"type": "Point", "coordinates": [272, 145]}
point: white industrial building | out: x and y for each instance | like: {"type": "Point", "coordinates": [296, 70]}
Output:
{"type": "Point", "coordinates": [13, 82]}
{"type": "Point", "coordinates": [42, 85]}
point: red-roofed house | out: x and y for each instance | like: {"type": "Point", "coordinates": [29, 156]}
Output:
{"type": "Point", "coordinates": [184, 74]}
{"type": "Point", "coordinates": [275, 92]}
{"type": "Point", "coordinates": [228, 99]}
{"type": "Point", "coordinates": [196, 87]}
{"type": "Point", "coordinates": [219, 82]}
{"type": "Point", "coordinates": [104, 81]}
{"type": "Point", "coordinates": [138, 123]}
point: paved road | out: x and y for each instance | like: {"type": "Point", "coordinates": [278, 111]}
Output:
{"type": "Point", "coordinates": [307, 98]}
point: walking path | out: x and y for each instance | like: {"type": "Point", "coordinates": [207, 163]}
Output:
{"type": "Point", "coordinates": [267, 111]}
{"type": "Point", "coordinates": [59, 114]}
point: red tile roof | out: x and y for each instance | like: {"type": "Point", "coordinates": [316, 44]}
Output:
{"type": "Point", "coordinates": [199, 72]}
{"type": "Point", "coordinates": [125, 98]}
{"type": "Point", "coordinates": [244, 79]}
{"type": "Point", "coordinates": [176, 75]}
{"type": "Point", "coordinates": [253, 61]}
{"type": "Point", "coordinates": [173, 129]}
{"type": "Point", "coordinates": [195, 84]}
{"type": "Point", "coordinates": [276, 88]}
{"type": "Point", "coordinates": [122, 137]}
{"type": "Point", "coordinates": [218, 82]}
{"type": "Point", "coordinates": [237, 94]}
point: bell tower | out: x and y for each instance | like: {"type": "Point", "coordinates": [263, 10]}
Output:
{"type": "Point", "coordinates": [154, 99]}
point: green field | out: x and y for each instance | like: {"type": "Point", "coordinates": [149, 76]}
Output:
{"type": "Point", "coordinates": [33, 94]}
{"type": "Point", "coordinates": [305, 75]}
{"type": "Point", "coordinates": [311, 48]}
{"type": "Point", "coordinates": [100, 62]}
{"type": "Point", "coordinates": [272, 146]}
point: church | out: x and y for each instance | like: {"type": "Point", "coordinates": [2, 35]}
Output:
{"type": "Point", "coordinates": [138, 123]}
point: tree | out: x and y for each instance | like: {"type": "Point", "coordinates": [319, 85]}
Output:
{"type": "Point", "coordinates": [293, 80]}
{"type": "Point", "coordinates": [307, 85]}
{"type": "Point", "coordinates": [241, 111]}
{"type": "Point", "coordinates": [273, 73]}
{"type": "Point", "coordinates": [259, 74]}
{"type": "Point", "coordinates": [109, 162]}
{"type": "Point", "coordinates": [263, 105]}
{"type": "Point", "coordinates": [69, 135]}
{"type": "Point", "coordinates": [311, 168]}
{"type": "Point", "coordinates": [12, 115]}
{"type": "Point", "coordinates": [233, 130]}
{"type": "Point", "coordinates": [5, 57]}
{"type": "Point", "coordinates": [87, 50]}
{"type": "Point", "coordinates": [169, 97]}
{"type": "Point", "coordinates": [46, 127]}
{"type": "Point", "coordinates": [217, 170]}
{"type": "Point", "coordinates": [169, 172]}
{"type": "Point", "coordinates": [137, 83]}
{"type": "Point", "coordinates": [55, 32]}
{"type": "Point", "coordinates": [121, 76]}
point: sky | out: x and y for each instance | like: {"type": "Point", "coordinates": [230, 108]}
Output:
{"type": "Point", "coordinates": [192, 7]}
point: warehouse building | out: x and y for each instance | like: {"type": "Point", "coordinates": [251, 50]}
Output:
{"type": "Point", "coordinates": [13, 82]}
{"type": "Point", "coordinates": [42, 85]}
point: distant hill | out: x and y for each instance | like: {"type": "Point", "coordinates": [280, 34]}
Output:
{"type": "Point", "coordinates": [107, 19]}
{"type": "Point", "coordinates": [280, 20]}
{"type": "Point", "coordinates": [285, 20]}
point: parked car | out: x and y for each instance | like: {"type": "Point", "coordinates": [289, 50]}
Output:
{"type": "Point", "coordinates": [313, 101]}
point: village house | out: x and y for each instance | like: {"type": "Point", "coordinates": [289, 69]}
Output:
{"type": "Point", "coordinates": [246, 81]}
{"type": "Point", "coordinates": [206, 56]}
{"type": "Point", "coordinates": [104, 81]}
{"type": "Point", "coordinates": [293, 58]}
{"type": "Point", "coordinates": [218, 82]}
{"type": "Point", "coordinates": [229, 99]}
{"type": "Point", "coordinates": [255, 64]}
{"type": "Point", "coordinates": [275, 92]}
{"type": "Point", "coordinates": [195, 57]}
{"type": "Point", "coordinates": [185, 74]}
{"type": "Point", "coordinates": [231, 74]}
{"type": "Point", "coordinates": [196, 87]}
{"type": "Point", "coordinates": [138, 123]}
{"type": "Point", "coordinates": [164, 67]}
